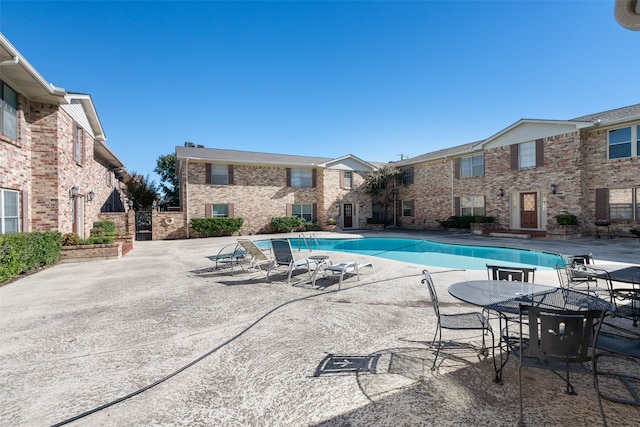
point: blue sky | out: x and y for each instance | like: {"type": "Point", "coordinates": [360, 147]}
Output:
{"type": "Point", "coordinates": [374, 79]}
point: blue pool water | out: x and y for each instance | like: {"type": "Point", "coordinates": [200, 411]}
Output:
{"type": "Point", "coordinates": [434, 254]}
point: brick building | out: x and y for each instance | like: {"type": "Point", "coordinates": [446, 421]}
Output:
{"type": "Point", "coordinates": [56, 172]}
{"type": "Point", "coordinates": [523, 176]}
{"type": "Point", "coordinates": [260, 186]}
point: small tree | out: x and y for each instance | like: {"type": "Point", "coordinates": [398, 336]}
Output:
{"type": "Point", "coordinates": [141, 191]}
{"type": "Point", "coordinates": [382, 185]}
{"type": "Point", "coordinates": [170, 183]}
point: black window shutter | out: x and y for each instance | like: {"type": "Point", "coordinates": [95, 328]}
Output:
{"type": "Point", "coordinates": [230, 174]}
{"type": "Point", "coordinates": [456, 206]}
{"type": "Point", "coordinates": [314, 177]}
{"type": "Point", "coordinates": [514, 157]}
{"type": "Point", "coordinates": [456, 168]}
{"type": "Point", "coordinates": [539, 153]}
{"type": "Point", "coordinates": [601, 204]}
{"type": "Point", "coordinates": [207, 178]}
{"type": "Point", "coordinates": [288, 177]}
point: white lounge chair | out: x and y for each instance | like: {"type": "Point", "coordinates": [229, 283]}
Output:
{"type": "Point", "coordinates": [342, 268]}
{"type": "Point", "coordinates": [259, 258]}
{"type": "Point", "coordinates": [229, 256]}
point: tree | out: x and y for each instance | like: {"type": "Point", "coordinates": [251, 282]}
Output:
{"type": "Point", "coordinates": [170, 184]}
{"type": "Point", "coordinates": [382, 186]}
{"type": "Point", "coordinates": [141, 191]}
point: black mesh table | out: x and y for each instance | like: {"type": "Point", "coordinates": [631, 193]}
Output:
{"type": "Point", "coordinates": [505, 297]}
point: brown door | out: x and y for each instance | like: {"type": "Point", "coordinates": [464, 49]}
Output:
{"type": "Point", "coordinates": [348, 215]}
{"type": "Point", "coordinates": [529, 210]}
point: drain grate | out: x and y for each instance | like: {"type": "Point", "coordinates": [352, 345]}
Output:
{"type": "Point", "coordinates": [336, 364]}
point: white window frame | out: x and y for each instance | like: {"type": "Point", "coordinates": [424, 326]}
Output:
{"type": "Point", "coordinates": [301, 178]}
{"type": "Point", "coordinates": [527, 155]}
{"type": "Point", "coordinates": [624, 204]}
{"type": "Point", "coordinates": [348, 179]}
{"type": "Point", "coordinates": [472, 166]}
{"type": "Point", "coordinates": [78, 144]}
{"type": "Point", "coordinates": [219, 174]}
{"type": "Point", "coordinates": [4, 215]}
{"type": "Point", "coordinates": [472, 205]}
{"type": "Point", "coordinates": [302, 210]}
{"type": "Point", "coordinates": [216, 209]}
{"type": "Point", "coordinates": [8, 111]}
{"type": "Point", "coordinates": [407, 208]}
{"type": "Point", "coordinates": [633, 142]}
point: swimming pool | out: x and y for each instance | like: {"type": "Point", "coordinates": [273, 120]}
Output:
{"type": "Point", "coordinates": [434, 254]}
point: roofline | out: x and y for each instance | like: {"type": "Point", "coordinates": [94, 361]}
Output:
{"type": "Point", "coordinates": [20, 60]}
{"type": "Point", "coordinates": [578, 125]}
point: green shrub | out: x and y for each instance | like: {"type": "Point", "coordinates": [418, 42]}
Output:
{"type": "Point", "coordinates": [464, 221]}
{"type": "Point", "coordinates": [374, 221]}
{"type": "Point", "coordinates": [22, 252]}
{"type": "Point", "coordinates": [635, 231]}
{"type": "Point", "coordinates": [331, 221]}
{"type": "Point", "coordinates": [107, 227]}
{"type": "Point", "coordinates": [72, 239]}
{"type": "Point", "coordinates": [287, 224]}
{"type": "Point", "coordinates": [566, 219]}
{"type": "Point", "coordinates": [216, 226]}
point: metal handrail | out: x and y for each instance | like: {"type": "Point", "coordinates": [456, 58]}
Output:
{"type": "Point", "coordinates": [312, 238]}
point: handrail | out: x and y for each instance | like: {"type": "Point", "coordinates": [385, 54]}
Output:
{"type": "Point", "coordinates": [312, 237]}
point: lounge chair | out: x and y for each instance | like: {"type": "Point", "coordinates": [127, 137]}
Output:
{"type": "Point", "coordinates": [229, 256]}
{"type": "Point", "coordinates": [283, 257]}
{"type": "Point", "coordinates": [342, 268]}
{"type": "Point", "coordinates": [259, 258]}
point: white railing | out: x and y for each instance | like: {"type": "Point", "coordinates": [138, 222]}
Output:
{"type": "Point", "coordinates": [307, 241]}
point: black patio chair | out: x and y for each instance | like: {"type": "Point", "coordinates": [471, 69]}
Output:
{"type": "Point", "coordinates": [461, 321]}
{"type": "Point", "coordinates": [515, 274]}
{"type": "Point", "coordinates": [557, 340]}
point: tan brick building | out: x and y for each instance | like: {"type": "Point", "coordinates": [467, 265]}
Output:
{"type": "Point", "coordinates": [523, 176]}
{"type": "Point", "coordinates": [56, 172]}
{"type": "Point", "coordinates": [260, 186]}
{"type": "Point", "coordinates": [532, 171]}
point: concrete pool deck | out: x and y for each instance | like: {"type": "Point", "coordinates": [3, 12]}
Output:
{"type": "Point", "coordinates": [253, 353]}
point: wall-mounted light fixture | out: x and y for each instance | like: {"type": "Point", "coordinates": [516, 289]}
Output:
{"type": "Point", "coordinates": [73, 193]}
{"type": "Point", "coordinates": [361, 205]}
{"type": "Point", "coordinates": [90, 196]}
{"type": "Point", "coordinates": [130, 203]}
{"type": "Point", "coordinates": [554, 188]}
{"type": "Point", "coordinates": [501, 192]}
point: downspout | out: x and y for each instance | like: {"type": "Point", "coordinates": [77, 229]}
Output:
{"type": "Point", "coordinates": [453, 205]}
{"type": "Point", "coordinates": [13, 61]}
{"type": "Point", "coordinates": [186, 195]}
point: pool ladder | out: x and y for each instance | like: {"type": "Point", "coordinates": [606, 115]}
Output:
{"type": "Point", "coordinates": [307, 241]}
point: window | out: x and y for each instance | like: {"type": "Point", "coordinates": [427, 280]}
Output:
{"type": "Point", "coordinates": [8, 211]}
{"type": "Point", "coordinates": [407, 176]}
{"type": "Point", "coordinates": [302, 211]}
{"type": "Point", "coordinates": [377, 211]}
{"type": "Point", "coordinates": [472, 166]}
{"type": "Point", "coordinates": [301, 178]}
{"type": "Point", "coordinates": [78, 143]}
{"type": "Point", "coordinates": [9, 116]}
{"type": "Point", "coordinates": [219, 210]}
{"type": "Point", "coordinates": [621, 203]}
{"type": "Point", "coordinates": [219, 175]}
{"type": "Point", "coordinates": [407, 208]}
{"type": "Point", "coordinates": [472, 205]}
{"type": "Point", "coordinates": [527, 155]}
{"type": "Point", "coordinates": [347, 179]}
{"type": "Point", "coordinates": [621, 142]}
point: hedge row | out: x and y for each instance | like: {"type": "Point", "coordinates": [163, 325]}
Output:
{"type": "Point", "coordinates": [216, 226]}
{"type": "Point", "coordinates": [22, 252]}
{"type": "Point", "coordinates": [464, 221]}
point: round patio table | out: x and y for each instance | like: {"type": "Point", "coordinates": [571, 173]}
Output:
{"type": "Point", "coordinates": [506, 296]}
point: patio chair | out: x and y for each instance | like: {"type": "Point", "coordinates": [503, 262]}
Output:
{"type": "Point", "coordinates": [515, 274]}
{"type": "Point", "coordinates": [557, 340]}
{"type": "Point", "coordinates": [258, 258]}
{"type": "Point", "coordinates": [623, 347]}
{"type": "Point", "coordinates": [229, 256]}
{"type": "Point", "coordinates": [342, 269]}
{"type": "Point", "coordinates": [283, 257]}
{"type": "Point", "coordinates": [583, 277]}
{"type": "Point", "coordinates": [474, 320]}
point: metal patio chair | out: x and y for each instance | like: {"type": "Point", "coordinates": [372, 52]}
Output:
{"type": "Point", "coordinates": [557, 340]}
{"type": "Point", "coordinates": [475, 320]}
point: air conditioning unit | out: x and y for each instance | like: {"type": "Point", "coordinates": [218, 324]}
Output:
{"type": "Point", "coordinates": [189, 144]}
